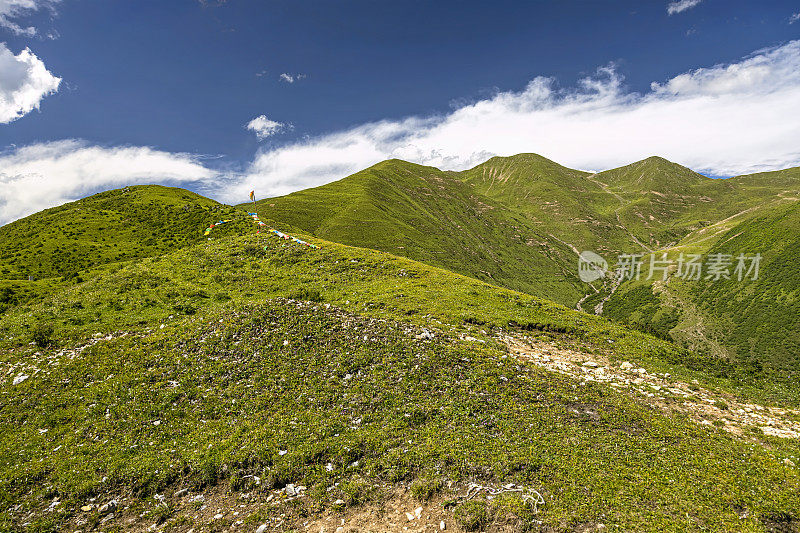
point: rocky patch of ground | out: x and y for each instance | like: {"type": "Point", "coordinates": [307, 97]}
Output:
{"type": "Point", "coordinates": [700, 404]}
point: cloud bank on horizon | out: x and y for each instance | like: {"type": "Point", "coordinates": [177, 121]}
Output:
{"type": "Point", "coordinates": [44, 175]}
{"type": "Point", "coordinates": [722, 120]}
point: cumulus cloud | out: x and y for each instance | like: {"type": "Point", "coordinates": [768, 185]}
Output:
{"type": "Point", "coordinates": [24, 82]}
{"type": "Point", "coordinates": [681, 5]}
{"type": "Point", "coordinates": [264, 127]}
{"type": "Point", "coordinates": [39, 176]}
{"type": "Point", "coordinates": [722, 120]}
{"type": "Point", "coordinates": [10, 10]}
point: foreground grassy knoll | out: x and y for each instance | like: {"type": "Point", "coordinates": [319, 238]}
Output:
{"type": "Point", "coordinates": [343, 370]}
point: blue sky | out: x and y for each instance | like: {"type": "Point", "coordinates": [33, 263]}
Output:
{"type": "Point", "coordinates": [168, 88]}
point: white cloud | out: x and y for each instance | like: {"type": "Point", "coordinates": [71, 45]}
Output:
{"type": "Point", "coordinates": [794, 18]}
{"type": "Point", "coordinates": [39, 176]}
{"type": "Point", "coordinates": [24, 82]}
{"type": "Point", "coordinates": [264, 127]}
{"type": "Point", "coordinates": [291, 78]}
{"type": "Point", "coordinates": [680, 6]}
{"type": "Point", "coordinates": [13, 9]}
{"type": "Point", "coordinates": [722, 120]}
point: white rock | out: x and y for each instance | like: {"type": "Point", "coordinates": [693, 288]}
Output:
{"type": "Point", "coordinates": [262, 528]}
{"type": "Point", "coordinates": [626, 365]}
{"type": "Point", "coordinates": [409, 516]}
{"type": "Point", "coordinates": [108, 507]}
{"type": "Point", "coordinates": [590, 364]}
{"type": "Point", "coordinates": [442, 526]}
{"type": "Point", "coordinates": [19, 379]}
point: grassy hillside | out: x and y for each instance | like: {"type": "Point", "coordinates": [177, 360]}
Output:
{"type": "Point", "coordinates": [753, 323]}
{"type": "Point", "coordinates": [111, 226]}
{"type": "Point", "coordinates": [520, 222]}
{"type": "Point", "coordinates": [435, 217]}
{"type": "Point", "coordinates": [564, 204]}
{"type": "Point", "coordinates": [250, 356]}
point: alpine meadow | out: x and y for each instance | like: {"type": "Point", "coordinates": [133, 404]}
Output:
{"type": "Point", "coordinates": [344, 267]}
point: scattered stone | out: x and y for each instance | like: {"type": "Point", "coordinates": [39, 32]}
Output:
{"type": "Point", "coordinates": [108, 507]}
{"type": "Point", "coordinates": [262, 528]}
{"type": "Point", "coordinates": [87, 508]}
{"type": "Point", "coordinates": [418, 512]}
{"type": "Point", "coordinates": [409, 516]}
{"type": "Point", "coordinates": [788, 462]}
{"type": "Point", "coordinates": [442, 526]}
{"type": "Point", "coordinates": [290, 492]}
{"type": "Point", "coordinates": [20, 378]}
{"type": "Point", "coordinates": [218, 516]}
{"type": "Point", "coordinates": [181, 492]}
{"type": "Point", "coordinates": [626, 365]}
{"type": "Point", "coordinates": [425, 335]}
{"type": "Point", "coordinates": [590, 364]}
